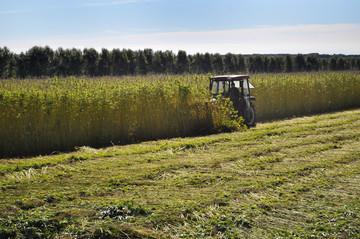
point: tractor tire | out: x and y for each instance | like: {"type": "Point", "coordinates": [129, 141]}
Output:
{"type": "Point", "coordinates": [249, 116]}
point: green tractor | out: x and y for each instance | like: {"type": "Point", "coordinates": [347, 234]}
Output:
{"type": "Point", "coordinates": [237, 89]}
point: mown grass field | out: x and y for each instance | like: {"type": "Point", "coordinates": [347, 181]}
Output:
{"type": "Point", "coordinates": [296, 178]}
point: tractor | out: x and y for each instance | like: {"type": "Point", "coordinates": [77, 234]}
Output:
{"type": "Point", "coordinates": [237, 89]}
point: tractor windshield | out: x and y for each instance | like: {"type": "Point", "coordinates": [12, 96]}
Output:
{"type": "Point", "coordinates": [220, 87]}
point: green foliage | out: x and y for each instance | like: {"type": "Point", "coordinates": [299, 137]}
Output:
{"type": "Point", "coordinates": [287, 95]}
{"type": "Point", "coordinates": [225, 117]}
{"type": "Point", "coordinates": [45, 62]}
{"type": "Point", "coordinates": [42, 116]}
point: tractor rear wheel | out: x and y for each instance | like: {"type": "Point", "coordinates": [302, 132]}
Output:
{"type": "Point", "coordinates": [249, 116]}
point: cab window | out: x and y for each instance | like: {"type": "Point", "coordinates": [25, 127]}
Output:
{"type": "Point", "coordinates": [220, 87]}
{"type": "Point", "coordinates": [246, 87]}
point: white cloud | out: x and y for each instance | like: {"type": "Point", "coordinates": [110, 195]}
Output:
{"type": "Point", "coordinates": [328, 39]}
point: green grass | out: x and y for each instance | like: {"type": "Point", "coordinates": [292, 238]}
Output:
{"type": "Point", "coordinates": [297, 178]}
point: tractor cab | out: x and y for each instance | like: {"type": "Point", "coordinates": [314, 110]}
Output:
{"type": "Point", "coordinates": [237, 89]}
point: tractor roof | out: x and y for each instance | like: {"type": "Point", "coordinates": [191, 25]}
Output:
{"type": "Point", "coordinates": [230, 77]}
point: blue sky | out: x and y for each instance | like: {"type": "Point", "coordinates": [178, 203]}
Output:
{"type": "Point", "coordinates": [215, 26]}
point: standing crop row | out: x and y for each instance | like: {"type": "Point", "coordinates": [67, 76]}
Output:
{"type": "Point", "coordinates": [43, 116]}
{"type": "Point", "coordinates": [287, 95]}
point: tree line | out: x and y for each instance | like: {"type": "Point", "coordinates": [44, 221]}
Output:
{"type": "Point", "coordinates": [45, 62]}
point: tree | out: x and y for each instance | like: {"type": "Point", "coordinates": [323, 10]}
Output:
{"type": "Point", "coordinates": [90, 63]}
{"type": "Point", "coordinates": [230, 63]}
{"type": "Point", "coordinates": [340, 63]}
{"type": "Point", "coordinates": [76, 61]}
{"type": "Point", "coordinates": [272, 65]}
{"type": "Point", "coordinates": [120, 63]}
{"type": "Point", "coordinates": [104, 63]}
{"type": "Point", "coordinates": [169, 62]}
{"type": "Point", "coordinates": [22, 65]}
{"type": "Point", "coordinates": [324, 64]}
{"type": "Point", "coordinates": [218, 63]}
{"type": "Point", "coordinates": [159, 63]}
{"type": "Point", "coordinates": [39, 61]}
{"type": "Point", "coordinates": [288, 63]}
{"type": "Point", "coordinates": [266, 64]}
{"type": "Point", "coordinates": [5, 60]}
{"type": "Point", "coordinates": [149, 55]}
{"type": "Point", "coordinates": [358, 63]}
{"type": "Point", "coordinates": [299, 63]}
{"type": "Point", "coordinates": [182, 62]}
{"type": "Point", "coordinates": [240, 63]}
{"type": "Point", "coordinates": [207, 63]}
{"type": "Point", "coordinates": [353, 63]}
{"type": "Point", "coordinates": [44, 62]}
{"type": "Point", "coordinates": [333, 63]}
{"type": "Point", "coordinates": [12, 71]}
{"type": "Point", "coordinates": [276, 64]}
{"type": "Point", "coordinates": [61, 62]}
{"type": "Point", "coordinates": [256, 64]}
{"type": "Point", "coordinates": [252, 65]}
{"type": "Point", "coordinates": [312, 62]}
{"type": "Point", "coordinates": [142, 63]}
{"type": "Point", "coordinates": [132, 61]}
{"type": "Point", "coordinates": [196, 64]}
